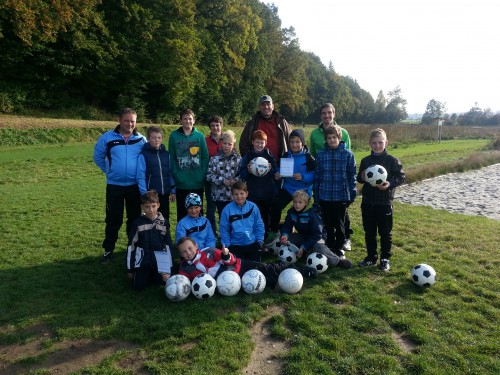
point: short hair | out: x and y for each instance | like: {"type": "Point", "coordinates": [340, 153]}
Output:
{"type": "Point", "coordinates": [153, 129]}
{"type": "Point", "coordinates": [259, 134]}
{"type": "Point", "coordinates": [186, 239]}
{"type": "Point", "coordinates": [127, 111]}
{"type": "Point", "coordinates": [333, 129]}
{"type": "Point", "coordinates": [239, 185]}
{"type": "Point", "coordinates": [150, 196]}
{"type": "Point", "coordinates": [301, 194]}
{"type": "Point", "coordinates": [327, 105]}
{"type": "Point", "coordinates": [186, 111]}
{"type": "Point", "coordinates": [228, 135]}
{"type": "Point", "coordinates": [217, 119]}
{"type": "Point", "coordinates": [379, 132]}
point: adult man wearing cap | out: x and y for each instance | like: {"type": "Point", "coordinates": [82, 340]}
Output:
{"type": "Point", "coordinates": [270, 122]}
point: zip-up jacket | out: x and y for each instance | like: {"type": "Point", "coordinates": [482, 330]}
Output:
{"type": "Point", "coordinates": [153, 170]}
{"type": "Point", "coordinates": [260, 188]}
{"type": "Point", "coordinates": [220, 168]}
{"type": "Point", "coordinates": [198, 228]}
{"type": "Point", "coordinates": [307, 223]}
{"type": "Point", "coordinates": [303, 163]}
{"type": "Point", "coordinates": [241, 225]}
{"type": "Point", "coordinates": [211, 261]}
{"type": "Point", "coordinates": [117, 158]}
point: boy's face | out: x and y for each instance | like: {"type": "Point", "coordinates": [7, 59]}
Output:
{"type": "Point", "coordinates": [299, 204]}
{"type": "Point", "coordinates": [155, 140]}
{"type": "Point", "coordinates": [258, 144]}
{"type": "Point", "coordinates": [216, 128]}
{"type": "Point", "coordinates": [378, 144]}
{"type": "Point", "coordinates": [239, 196]}
{"type": "Point", "coordinates": [150, 209]}
{"type": "Point", "coordinates": [127, 123]}
{"type": "Point", "coordinates": [194, 211]}
{"type": "Point", "coordinates": [295, 144]}
{"type": "Point", "coordinates": [327, 116]}
{"type": "Point", "coordinates": [227, 146]}
{"type": "Point", "coordinates": [332, 141]}
{"type": "Point", "coordinates": [187, 122]}
{"type": "Point", "coordinates": [187, 250]}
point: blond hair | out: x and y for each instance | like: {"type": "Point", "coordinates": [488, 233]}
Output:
{"type": "Point", "coordinates": [302, 195]}
{"type": "Point", "coordinates": [228, 135]}
{"type": "Point", "coordinates": [379, 132]}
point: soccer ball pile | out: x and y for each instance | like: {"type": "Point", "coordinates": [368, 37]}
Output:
{"type": "Point", "coordinates": [259, 166]}
{"type": "Point", "coordinates": [290, 280]}
{"type": "Point", "coordinates": [317, 261]}
{"type": "Point", "coordinates": [203, 286]}
{"type": "Point", "coordinates": [423, 275]}
{"type": "Point", "coordinates": [375, 175]}
{"type": "Point", "coordinates": [286, 255]}
{"type": "Point", "coordinates": [253, 282]}
{"type": "Point", "coordinates": [177, 288]}
{"type": "Point", "coordinates": [228, 283]}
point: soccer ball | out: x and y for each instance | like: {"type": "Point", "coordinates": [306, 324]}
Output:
{"type": "Point", "coordinates": [375, 175]}
{"type": "Point", "coordinates": [259, 166]}
{"type": "Point", "coordinates": [423, 275]}
{"type": "Point", "coordinates": [318, 261]}
{"type": "Point", "coordinates": [274, 248]}
{"type": "Point", "coordinates": [203, 286]}
{"type": "Point", "coordinates": [253, 282]}
{"type": "Point", "coordinates": [290, 281]}
{"type": "Point", "coordinates": [286, 255]}
{"type": "Point", "coordinates": [177, 288]}
{"type": "Point", "coordinates": [228, 283]}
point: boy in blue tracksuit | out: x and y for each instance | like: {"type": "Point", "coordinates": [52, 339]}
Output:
{"type": "Point", "coordinates": [241, 226]}
{"type": "Point", "coordinates": [195, 225]}
{"type": "Point", "coordinates": [335, 186]}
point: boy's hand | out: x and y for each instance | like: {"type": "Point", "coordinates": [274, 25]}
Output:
{"type": "Point", "coordinates": [300, 253]}
{"type": "Point", "coordinates": [384, 185]}
{"type": "Point", "coordinates": [297, 176]}
{"type": "Point", "coordinates": [130, 275]}
{"type": "Point", "coordinates": [165, 276]}
{"type": "Point", "coordinates": [172, 197]}
{"type": "Point", "coordinates": [277, 176]}
{"type": "Point", "coordinates": [225, 250]}
{"type": "Point", "coordinates": [283, 240]}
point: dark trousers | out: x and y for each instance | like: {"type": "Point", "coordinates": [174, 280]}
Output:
{"type": "Point", "coordinates": [377, 218]}
{"type": "Point", "coordinates": [333, 214]}
{"type": "Point", "coordinates": [145, 276]}
{"type": "Point", "coordinates": [265, 210]}
{"type": "Point", "coordinates": [118, 198]}
{"type": "Point", "coordinates": [270, 270]}
{"type": "Point", "coordinates": [319, 247]}
{"type": "Point", "coordinates": [277, 206]}
{"type": "Point", "coordinates": [181, 195]}
{"type": "Point", "coordinates": [249, 252]}
{"type": "Point", "coordinates": [210, 207]}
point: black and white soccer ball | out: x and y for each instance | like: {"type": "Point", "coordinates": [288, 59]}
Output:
{"type": "Point", "coordinates": [423, 275]}
{"type": "Point", "coordinates": [228, 283]}
{"type": "Point", "coordinates": [290, 281]}
{"type": "Point", "coordinates": [259, 166]}
{"type": "Point", "coordinates": [203, 286]}
{"type": "Point", "coordinates": [375, 175]}
{"type": "Point", "coordinates": [253, 282]}
{"type": "Point", "coordinates": [177, 288]}
{"type": "Point", "coordinates": [274, 247]}
{"type": "Point", "coordinates": [286, 255]}
{"type": "Point", "coordinates": [317, 261]}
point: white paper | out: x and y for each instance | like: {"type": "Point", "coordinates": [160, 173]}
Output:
{"type": "Point", "coordinates": [286, 167]}
{"type": "Point", "coordinates": [163, 261]}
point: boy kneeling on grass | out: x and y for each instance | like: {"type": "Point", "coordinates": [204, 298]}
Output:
{"type": "Point", "coordinates": [310, 236]}
{"type": "Point", "coordinates": [214, 261]}
{"type": "Point", "coordinates": [149, 260]}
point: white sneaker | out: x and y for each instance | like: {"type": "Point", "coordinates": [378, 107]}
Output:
{"type": "Point", "coordinates": [347, 245]}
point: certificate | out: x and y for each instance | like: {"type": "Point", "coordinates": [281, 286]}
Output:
{"type": "Point", "coordinates": [286, 167]}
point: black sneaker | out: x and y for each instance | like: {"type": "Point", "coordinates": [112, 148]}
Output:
{"type": "Point", "coordinates": [345, 263]}
{"type": "Point", "coordinates": [107, 257]}
{"type": "Point", "coordinates": [384, 265]}
{"type": "Point", "coordinates": [307, 271]}
{"type": "Point", "coordinates": [367, 262]}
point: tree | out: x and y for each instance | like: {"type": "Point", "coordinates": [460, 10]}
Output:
{"type": "Point", "coordinates": [434, 109]}
{"type": "Point", "coordinates": [395, 111]}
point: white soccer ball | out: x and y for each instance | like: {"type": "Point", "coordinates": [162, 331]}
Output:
{"type": "Point", "coordinates": [375, 175]}
{"type": "Point", "coordinates": [203, 286]}
{"type": "Point", "coordinates": [228, 283]}
{"type": "Point", "coordinates": [274, 247]}
{"type": "Point", "coordinates": [253, 282]}
{"type": "Point", "coordinates": [317, 261]}
{"type": "Point", "coordinates": [286, 255]}
{"type": "Point", "coordinates": [290, 281]}
{"type": "Point", "coordinates": [177, 288]}
{"type": "Point", "coordinates": [259, 166]}
{"type": "Point", "coordinates": [423, 275]}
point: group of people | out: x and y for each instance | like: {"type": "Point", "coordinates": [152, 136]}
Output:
{"type": "Point", "coordinates": [143, 175]}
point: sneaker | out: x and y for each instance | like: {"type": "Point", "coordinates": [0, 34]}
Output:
{"type": "Point", "coordinates": [341, 254]}
{"type": "Point", "coordinates": [367, 262]}
{"type": "Point", "coordinates": [107, 257]}
{"type": "Point", "coordinates": [271, 237]}
{"type": "Point", "coordinates": [347, 245]}
{"type": "Point", "coordinates": [307, 271]}
{"type": "Point", "coordinates": [384, 265]}
{"type": "Point", "coordinates": [345, 263]}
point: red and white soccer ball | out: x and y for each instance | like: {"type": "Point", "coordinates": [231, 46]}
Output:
{"type": "Point", "coordinates": [259, 166]}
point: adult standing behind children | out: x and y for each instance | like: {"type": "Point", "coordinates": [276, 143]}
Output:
{"type": "Point", "coordinates": [116, 153]}
{"type": "Point", "coordinates": [189, 156]}
{"type": "Point", "coordinates": [271, 123]}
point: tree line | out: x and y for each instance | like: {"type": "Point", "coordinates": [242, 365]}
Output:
{"type": "Point", "coordinates": [159, 56]}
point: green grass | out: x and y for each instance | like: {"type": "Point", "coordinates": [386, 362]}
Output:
{"type": "Point", "coordinates": [346, 321]}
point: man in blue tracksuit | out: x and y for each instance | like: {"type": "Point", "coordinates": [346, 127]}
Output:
{"type": "Point", "coordinates": [116, 153]}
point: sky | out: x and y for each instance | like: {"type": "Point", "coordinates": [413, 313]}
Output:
{"type": "Point", "coordinates": [447, 50]}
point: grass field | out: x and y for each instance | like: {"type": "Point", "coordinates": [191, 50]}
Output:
{"type": "Point", "coordinates": [55, 295]}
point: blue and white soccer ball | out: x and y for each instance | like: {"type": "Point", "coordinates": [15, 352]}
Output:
{"type": "Point", "coordinates": [253, 282]}
{"type": "Point", "coordinates": [317, 261]}
{"type": "Point", "coordinates": [177, 288]}
{"type": "Point", "coordinates": [203, 286]}
{"type": "Point", "coordinates": [286, 255]}
{"type": "Point", "coordinates": [423, 275]}
{"type": "Point", "coordinates": [290, 281]}
{"type": "Point", "coordinates": [259, 166]}
{"type": "Point", "coordinates": [228, 283]}
{"type": "Point", "coordinates": [375, 175]}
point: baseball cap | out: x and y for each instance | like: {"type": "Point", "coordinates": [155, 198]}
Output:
{"type": "Point", "coordinates": [265, 98]}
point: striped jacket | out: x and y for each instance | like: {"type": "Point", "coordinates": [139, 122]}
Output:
{"type": "Point", "coordinates": [220, 168]}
